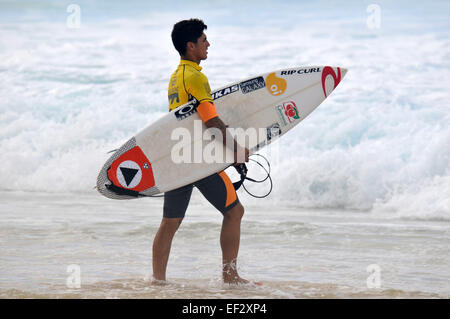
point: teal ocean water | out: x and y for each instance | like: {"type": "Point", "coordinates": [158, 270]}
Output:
{"type": "Point", "coordinates": [364, 180]}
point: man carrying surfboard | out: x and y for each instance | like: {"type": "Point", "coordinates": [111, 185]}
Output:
{"type": "Point", "coordinates": [188, 84]}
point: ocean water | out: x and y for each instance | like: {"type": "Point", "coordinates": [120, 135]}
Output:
{"type": "Point", "coordinates": [361, 187]}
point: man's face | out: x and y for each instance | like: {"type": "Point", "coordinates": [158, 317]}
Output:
{"type": "Point", "coordinates": [201, 47]}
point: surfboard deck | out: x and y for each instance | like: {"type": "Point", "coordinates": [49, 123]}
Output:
{"type": "Point", "coordinates": [176, 150]}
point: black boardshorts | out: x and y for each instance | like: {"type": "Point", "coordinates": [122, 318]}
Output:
{"type": "Point", "coordinates": [217, 189]}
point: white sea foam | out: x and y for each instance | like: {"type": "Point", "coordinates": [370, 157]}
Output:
{"type": "Point", "coordinates": [381, 141]}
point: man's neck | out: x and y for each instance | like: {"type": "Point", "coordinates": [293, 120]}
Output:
{"type": "Point", "coordinates": [188, 58]}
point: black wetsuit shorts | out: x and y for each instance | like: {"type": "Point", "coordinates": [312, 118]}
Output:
{"type": "Point", "coordinates": [217, 189]}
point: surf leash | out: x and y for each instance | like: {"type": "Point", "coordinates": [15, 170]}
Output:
{"type": "Point", "coordinates": [243, 170]}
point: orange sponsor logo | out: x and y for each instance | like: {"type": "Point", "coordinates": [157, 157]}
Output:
{"type": "Point", "coordinates": [275, 85]}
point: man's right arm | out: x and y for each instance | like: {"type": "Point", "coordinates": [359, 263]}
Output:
{"type": "Point", "coordinates": [208, 114]}
{"type": "Point", "coordinates": [240, 153]}
{"type": "Point", "coordinates": [199, 88]}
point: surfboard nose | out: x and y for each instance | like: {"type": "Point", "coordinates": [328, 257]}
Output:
{"type": "Point", "coordinates": [343, 71]}
{"type": "Point", "coordinates": [331, 77]}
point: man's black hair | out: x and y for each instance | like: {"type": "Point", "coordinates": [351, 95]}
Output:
{"type": "Point", "coordinates": [187, 31]}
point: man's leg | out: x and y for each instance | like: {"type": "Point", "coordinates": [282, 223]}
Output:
{"type": "Point", "coordinates": [229, 241]}
{"type": "Point", "coordinates": [162, 244]}
{"type": "Point", "coordinates": [175, 205]}
{"type": "Point", "coordinates": [219, 191]}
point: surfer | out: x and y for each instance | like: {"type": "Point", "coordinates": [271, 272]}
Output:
{"type": "Point", "coordinates": [188, 84]}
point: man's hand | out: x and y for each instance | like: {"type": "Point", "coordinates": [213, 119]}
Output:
{"type": "Point", "coordinates": [238, 157]}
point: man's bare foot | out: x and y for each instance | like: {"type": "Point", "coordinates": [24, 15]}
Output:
{"type": "Point", "coordinates": [236, 280]}
{"type": "Point", "coordinates": [158, 282]}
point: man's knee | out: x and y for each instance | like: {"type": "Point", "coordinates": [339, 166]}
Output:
{"type": "Point", "coordinates": [235, 213]}
{"type": "Point", "coordinates": [171, 224]}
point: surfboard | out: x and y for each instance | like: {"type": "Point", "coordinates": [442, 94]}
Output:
{"type": "Point", "coordinates": [177, 149]}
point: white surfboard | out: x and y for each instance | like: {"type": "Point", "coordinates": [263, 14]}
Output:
{"type": "Point", "coordinates": [176, 150]}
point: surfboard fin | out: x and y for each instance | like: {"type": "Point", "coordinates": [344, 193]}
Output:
{"type": "Point", "coordinates": [122, 191]}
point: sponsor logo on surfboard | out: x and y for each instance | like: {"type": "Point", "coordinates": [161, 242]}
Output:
{"type": "Point", "coordinates": [126, 171]}
{"type": "Point", "coordinates": [186, 110]}
{"type": "Point", "coordinates": [226, 91]}
{"type": "Point", "coordinates": [300, 71]}
{"type": "Point", "coordinates": [287, 112]}
{"type": "Point", "coordinates": [328, 75]}
{"type": "Point", "coordinates": [129, 174]}
{"type": "Point", "coordinates": [275, 85]}
{"type": "Point", "coordinates": [252, 85]}
{"type": "Point", "coordinates": [273, 131]}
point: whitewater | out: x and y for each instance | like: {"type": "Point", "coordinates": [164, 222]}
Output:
{"type": "Point", "coordinates": [364, 180]}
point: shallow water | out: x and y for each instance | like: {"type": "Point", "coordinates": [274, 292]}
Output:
{"type": "Point", "coordinates": [296, 253]}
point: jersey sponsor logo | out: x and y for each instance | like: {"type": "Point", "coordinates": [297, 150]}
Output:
{"type": "Point", "coordinates": [275, 85]}
{"type": "Point", "coordinates": [173, 90]}
{"type": "Point", "coordinates": [287, 112]}
{"type": "Point", "coordinates": [174, 96]}
{"type": "Point", "coordinates": [273, 131]}
{"type": "Point", "coordinates": [187, 110]}
{"type": "Point", "coordinates": [300, 71]}
{"type": "Point", "coordinates": [252, 85]}
{"type": "Point", "coordinates": [231, 89]}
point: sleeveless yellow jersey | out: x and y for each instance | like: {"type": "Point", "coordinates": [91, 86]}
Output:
{"type": "Point", "coordinates": [188, 83]}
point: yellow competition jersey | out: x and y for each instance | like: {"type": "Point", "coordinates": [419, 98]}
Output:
{"type": "Point", "coordinates": [188, 83]}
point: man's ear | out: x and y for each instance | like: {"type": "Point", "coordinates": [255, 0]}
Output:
{"type": "Point", "coordinates": [190, 45]}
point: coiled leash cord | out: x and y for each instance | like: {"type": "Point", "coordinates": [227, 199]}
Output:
{"type": "Point", "coordinates": [242, 170]}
